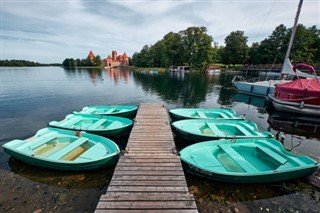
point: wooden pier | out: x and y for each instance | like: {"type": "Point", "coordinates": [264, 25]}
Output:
{"type": "Point", "coordinates": [149, 178]}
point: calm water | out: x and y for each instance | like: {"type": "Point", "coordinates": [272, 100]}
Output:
{"type": "Point", "coordinates": [32, 97]}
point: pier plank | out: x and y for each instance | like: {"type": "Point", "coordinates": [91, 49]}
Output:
{"type": "Point", "coordinates": [149, 176]}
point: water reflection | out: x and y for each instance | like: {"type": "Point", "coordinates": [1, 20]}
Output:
{"type": "Point", "coordinates": [117, 74]}
{"type": "Point", "coordinates": [259, 102]}
{"type": "Point", "coordinates": [63, 179]}
{"type": "Point", "coordinates": [295, 125]}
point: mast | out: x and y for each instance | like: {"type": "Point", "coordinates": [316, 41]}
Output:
{"type": "Point", "coordinates": [293, 30]}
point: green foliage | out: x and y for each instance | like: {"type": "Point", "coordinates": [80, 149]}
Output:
{"type": "Point", "coordinates": [22, 63]}
{"type": "Point", "coordinates": [192, 47]}
{"type": "Point", "coordinates": [305, 48]}
{"type": "Point", "coordinates": [71, 63]}
{"type": "Point", "coordinates": [236, 49]}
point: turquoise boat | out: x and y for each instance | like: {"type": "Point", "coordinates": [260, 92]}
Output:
{"type": "Point", "coordinates": [64, 150]}
{"type": "Point", "coordinates": [114, 110]}
{"type": "Point", "coordinates": [245, 161]}
{"type": "Point", "coordinates": [203, 129]}
{"type": "Point", "coordinates": [195, 113]}
{"type": "Point", "coordinates": [108, 126]}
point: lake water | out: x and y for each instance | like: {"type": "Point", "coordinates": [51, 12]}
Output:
{"type": "Point", "coordinates": [32, 97]}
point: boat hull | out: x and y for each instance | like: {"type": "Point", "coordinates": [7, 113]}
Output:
{"type": "Point", "coordinates": [259, 88]}
{"type": "Point", "coordinates": [63, 166]}
{"type": "Point", "coordinates": [107, 126]}
{"type": "Point", "coordinates": [64, 150]}
{"type": "Point", "coordinates": [201, 113]}
{"type": "Point", "coordinates": [195, 130]}
{"type": "Point", "coordinates": [111, 110]}
{"type": "Point", "coordinates": [271, 177]}
{"type": "Point", "coordinates": [293, 107]}
{"type": "Point", "coordinates": [245, 161]}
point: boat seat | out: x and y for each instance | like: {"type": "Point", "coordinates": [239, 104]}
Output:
{"type": "Point", "coordinates": [97, 124]}
{"type": "Point", "coordinates": [242, 162]}
{"type": "Point", "coordinates": [215, 130]}
{"type": "Point", "coordinates": [57, 155]}
{"type": "Point", "coordinates": [89, 110]}
{"type": "Point", "coordinates": [201, 114]}
{"type": "Point", "coordinates": [42, 140]}
{"type": "Point", "coordinates": [110, 110]}
{"type": "Point", "coordinates": [273, 155]}
{"type": "Point", "coordinates": [115, 125]}
{"type": "Point", "coordinates": [247, 132]}
{"type": "Point", "coordinates": [94, 152]}
{"type": "Point", "coordinates": [207, 160]}
{"type": "Point", "coordinates": [71, 121]}
{"type": "Point", "coordinates": [225, 115]}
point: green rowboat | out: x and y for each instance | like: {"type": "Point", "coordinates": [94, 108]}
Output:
{"type": "Point", "coordinates": [195, 113]}
{"type": "Point", "coordinates": [203, 129]}
{"type": "Point", "coordinates": [108, 126]}
{"type": "Point", "coordinates": [245, 161]}
{"type": "Point", "coordinates": [64, 150]}
{"type": "Point", "coordinates": [114, 110]}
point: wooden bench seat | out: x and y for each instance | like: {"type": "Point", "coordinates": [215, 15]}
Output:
{"type": "Point", "coordinates": [97, 124]}
{"type": "Point", "coordinates": [42, 140]}
{"type": "Point", "coordinates": [273, 155]}
{"type": "Point", "coordinates": [243, 163]}
{"type": "Point", "coordinates": [201, 114]}
{"type": "Point", "coordinates": [110, 110]}
{"type": "Point", "coordinates": [214, 129]}
{"type": "Point", "coordinates": [68, 148]}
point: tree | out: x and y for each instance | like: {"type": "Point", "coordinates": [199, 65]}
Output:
{"type": "Point", "coordinates": [254, 54]}
{"type": "Point", "coordinates": [304, 49]}
{"type": "Point", "coordinates": [97, 61]}
{"type": "Point", "coordinates": [197, 46]}
{"type": "Point", "coordinates": [273, 48]}
{"type": "Point", "coordinates": [236, 49]}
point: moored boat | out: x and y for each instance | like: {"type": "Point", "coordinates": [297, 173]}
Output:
{"type": "Point", "coordinates": [64, 150]}
{"type": "Point", "coordinates": [203, 129]}
{"type": "Point", "coordinates": [301, 96]}
{"type": "Point", "coordinates": [108, 126]}
{"type": "Point", "coordinates": [114, 110]}
{"type": "Point", "coordinates": [245, 161]}
{"type": "Point", "coordinates": [196, 113]}
{"type": "Point", "coordinates": [266, 87]}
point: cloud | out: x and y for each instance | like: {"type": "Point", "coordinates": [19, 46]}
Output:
{"type": "Point", "coordinates": [50, 31]}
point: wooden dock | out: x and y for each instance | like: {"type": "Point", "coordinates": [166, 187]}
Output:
{"type": "Point", "coordinates": [149, 178]}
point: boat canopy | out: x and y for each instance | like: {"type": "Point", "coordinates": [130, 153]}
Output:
{"type": "Point", "coordinates": [300, 87]}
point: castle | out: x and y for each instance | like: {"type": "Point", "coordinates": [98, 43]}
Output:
{"type": "Point", "coordinates": [114, 61]}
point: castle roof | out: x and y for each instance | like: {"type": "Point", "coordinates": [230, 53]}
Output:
{"type": "Point", "coordinates": [109, 57]}
{"type": "Point", "coordinates": [91, 55]}
{"type": "Point", "coordinates": [124, 55]}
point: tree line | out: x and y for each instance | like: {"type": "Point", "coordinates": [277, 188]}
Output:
{"type": "Point", "coordinates": [23, 63]}
{"type": "Point", "coordinates": [194, 47]}
{"type": "Point", "coordinates": [86, 62]}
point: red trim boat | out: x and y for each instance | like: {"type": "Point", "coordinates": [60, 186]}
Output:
{"type": "Point", "coordinates": [298, 96]}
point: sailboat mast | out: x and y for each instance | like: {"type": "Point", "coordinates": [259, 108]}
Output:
{"type": "Point", "coordinates": [293, 30]}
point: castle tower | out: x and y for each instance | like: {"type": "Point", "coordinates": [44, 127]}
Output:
{"type": "Point", "coordinates": [91, 56]}
{"type": "Point", "coordinates": [109, 61]}
{"type": "Point", "coordinates": [125, 59]}
{"type": "Point", "coordinates": [114, 55]}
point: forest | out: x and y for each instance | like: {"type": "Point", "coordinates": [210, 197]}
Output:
{"type": "Point", "coordinates": [194, 47]}
{"type": "Point", "coordinates": [23, 63]}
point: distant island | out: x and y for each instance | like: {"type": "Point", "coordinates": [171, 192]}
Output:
{"type": "Point", "coordinates": [95, 61]}
{"type": "Point", "coordinates": [24, 63]}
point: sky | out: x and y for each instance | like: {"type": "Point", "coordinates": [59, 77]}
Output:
{"type": "Point", "coordinates": [48, 31]}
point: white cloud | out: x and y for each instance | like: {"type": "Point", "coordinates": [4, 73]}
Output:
{"type": "Point", "coordinates": [50, 31]}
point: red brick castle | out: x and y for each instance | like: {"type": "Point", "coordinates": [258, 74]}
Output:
{"type": "Point", "coordinates": [114, 61]}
